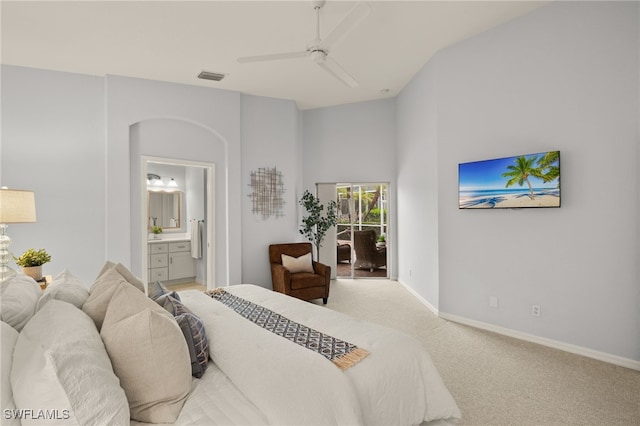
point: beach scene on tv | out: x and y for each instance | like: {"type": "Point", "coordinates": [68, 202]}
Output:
{"type": "Point", "coordinates": [514, 182]}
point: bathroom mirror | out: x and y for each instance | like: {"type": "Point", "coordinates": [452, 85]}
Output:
{"type": "Point", "coordinates": [164, 208]}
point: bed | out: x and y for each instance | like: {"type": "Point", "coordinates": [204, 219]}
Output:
{"type": "Point", "coordinates": [253, 377]}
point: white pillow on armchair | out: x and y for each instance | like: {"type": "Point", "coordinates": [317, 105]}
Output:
{"type": "Point", "coordinates": [303, 263]}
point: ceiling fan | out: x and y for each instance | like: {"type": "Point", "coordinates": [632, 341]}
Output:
{"type": "Point", "coordinates": [318, 49]}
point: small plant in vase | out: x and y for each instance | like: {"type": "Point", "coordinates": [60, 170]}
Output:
{"type": "Point", "coordinates": [156, 231]}
{"type": "Point", "coordinates": [382, 240]}
{"type": "Point", "coordinates": [31, 262]}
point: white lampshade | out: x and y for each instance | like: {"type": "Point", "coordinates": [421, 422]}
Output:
{"type": "Point", "coordinates": [17, 206]}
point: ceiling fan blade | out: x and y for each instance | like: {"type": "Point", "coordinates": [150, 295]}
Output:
{"type": "Point", "coordinates": [273, 57]}
{"type": "Point", "coordinates": [357, 13]}
{"type": "Point", "coordinates": [332, 67]}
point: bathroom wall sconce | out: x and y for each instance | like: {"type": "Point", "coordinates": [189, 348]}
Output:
{"type": "Point", "coordinates": [156, 183]}
{"type": "Point", "coordinates": [154, 180]}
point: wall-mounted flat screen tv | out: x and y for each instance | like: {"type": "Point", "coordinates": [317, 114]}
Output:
{"type": "Point", "coordinates": [522, 181]}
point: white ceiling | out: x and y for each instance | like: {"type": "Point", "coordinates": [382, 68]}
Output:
{"type": "Point", "coordinates": [175, 40]}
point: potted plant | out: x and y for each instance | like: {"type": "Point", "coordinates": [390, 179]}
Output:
{"type": "Point", "coordinates": [31, 262]}
{"type": "Point", "coordinates": [157, 230]}
{"type": "Point", "coordinates": [315, 225]}
{"type": "Point", "coordinates": [382, 240]}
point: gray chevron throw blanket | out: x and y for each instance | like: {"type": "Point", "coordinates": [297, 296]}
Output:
{"type": "Point", "coordinates": [341, 353]}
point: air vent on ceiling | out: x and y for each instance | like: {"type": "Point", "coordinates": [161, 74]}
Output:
{"type": "Point", "coordinates": [206, 75]}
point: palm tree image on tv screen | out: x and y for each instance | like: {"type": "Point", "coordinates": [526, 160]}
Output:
{"type": "Point", "coordinates": [521, 181]}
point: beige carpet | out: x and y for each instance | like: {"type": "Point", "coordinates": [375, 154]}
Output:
{"type": "Point", "coordinates": [498, 380]}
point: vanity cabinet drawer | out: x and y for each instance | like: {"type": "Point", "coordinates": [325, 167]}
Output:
{"type": "Point", "coordinates": [158, 261]}
{"type": "Point", "coordinates": [179, 247]}
{"type": "Point", "coordinates": [158, 248]}
{"type": "Point", "coordinates": [158, 274]}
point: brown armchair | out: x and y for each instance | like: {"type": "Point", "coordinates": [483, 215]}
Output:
{"type": "Point", "coordinates": [303, 285]}
{"type": "Point", "coordinates": [368, 256]}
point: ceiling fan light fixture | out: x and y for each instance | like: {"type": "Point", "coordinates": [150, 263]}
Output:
{"type": "Point", "coordinates": [318, 56]}
{"type": "Point", "coordinates": [207, 75]}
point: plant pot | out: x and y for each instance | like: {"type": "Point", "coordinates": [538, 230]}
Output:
{"type": "Point", "coordinates": [34, 272]}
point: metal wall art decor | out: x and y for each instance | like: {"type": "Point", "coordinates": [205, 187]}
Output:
{"type": "Point", "coordinates": [268, 189]}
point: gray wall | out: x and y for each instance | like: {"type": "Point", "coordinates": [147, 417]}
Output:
{"type": "Point", "coordinates": [269, 139]}
{"type": "Point", "coordinates": [418, 186]}
{"type": "Point", "coordinates": [161, 114]}
{"type": "Point", "coordinates": [353, 143]}
{"type": "Point", "coordinates": [86, 172]}
{"type": "Point", "coordinates": [564, 77]}
{"type": "Point", "coordinates": [53, 143]}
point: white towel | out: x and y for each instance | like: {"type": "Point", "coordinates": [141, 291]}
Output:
{"type": "Point", "coordinates": [196, 239]}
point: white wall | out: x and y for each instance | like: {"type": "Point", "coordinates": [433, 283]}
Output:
{"type": "Point", "coordinates": [270, 139]}
{"type": "Point", "coordinates": [563, 77]}
{"type": "Point", "coordinates": [53, 144]}
{"type": "Point", "coordinates": [353, 143]}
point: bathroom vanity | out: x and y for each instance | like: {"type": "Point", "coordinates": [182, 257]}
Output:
{"type": "Point", "coordinates": [170, 260]}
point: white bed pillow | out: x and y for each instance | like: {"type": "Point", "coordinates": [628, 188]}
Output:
{"type": "Point", "coordinates": [298, 264]}
{"type": "Point", "coordinates": [19, 297]}
{"type": "Point", "coordinates": [65, 277]}
{"type": "Point", "coordinates": [149, 354]}
{"type": "Point", "coordinates": [61, 364]}
{"type": "Point", "coordinates": [66, 287]}
{"type": "Point", "coordinates": [9, 339]}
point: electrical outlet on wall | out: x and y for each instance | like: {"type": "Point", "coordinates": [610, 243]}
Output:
{"type": "Point", "coordinates": [535, 310]}
{"type": "Point", "coordinates": [493, 301]}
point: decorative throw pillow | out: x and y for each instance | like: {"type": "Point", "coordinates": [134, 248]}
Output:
{"type": "Point", "coordinates": [193, 329]}
{"type": "Point", "coordinates": [67, 288]}
{"type": "Point", "coordinates": [298, 264]}
{"type": "Point", "coordinates": [60, 364]}
{"type": "Point", "coordinates": [171, 302]}
{"type": "Point", "coordinates": [156, 290]}
{"type": "Point", "coordinates": [101, 293]}
{"type": "Point", "coordinates": [19, 296]}
{"type": "Point", "coordinates": [148, 354]}
{"type": "Point", "coordinates": [124, 272]}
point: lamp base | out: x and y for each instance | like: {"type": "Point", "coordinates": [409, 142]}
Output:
{"type": "Point", "coordinates": [6, 273]}
{"type": "Point", "coordinates": [5, 255]}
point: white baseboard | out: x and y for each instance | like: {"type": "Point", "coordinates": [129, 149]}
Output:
{"type": "Point", "coordinates": [421, 299]}
{"type": "Point", "coordinates": [567, 347]}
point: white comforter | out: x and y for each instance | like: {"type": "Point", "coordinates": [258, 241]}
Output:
{"type": "Point", "coordinates": [397, 384]}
